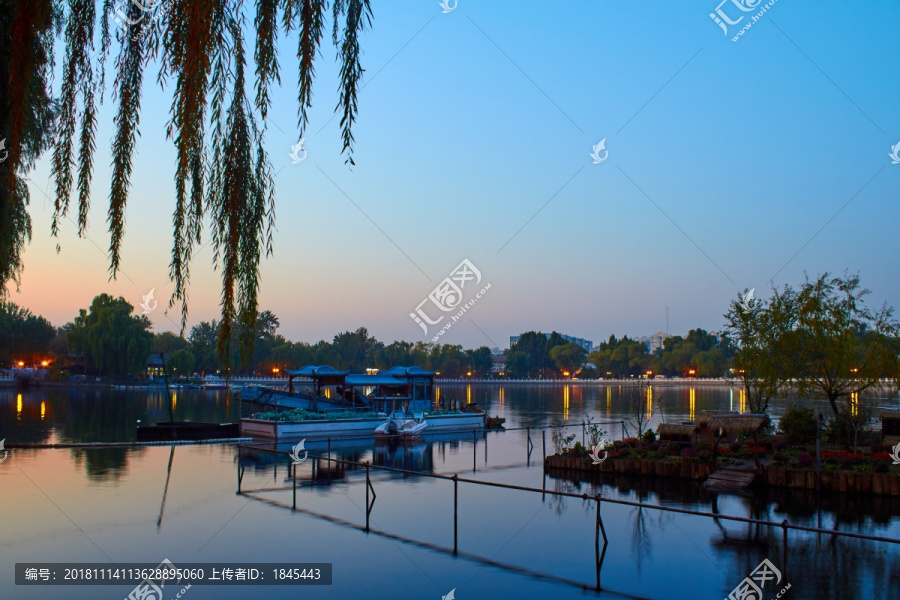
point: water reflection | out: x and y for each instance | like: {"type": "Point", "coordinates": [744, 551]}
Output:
{"type": "Point", "coordinates": [818, 565]}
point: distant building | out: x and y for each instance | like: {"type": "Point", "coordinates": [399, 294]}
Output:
{"type": "Point", "coordinates": [655, 341]}
{"type": "Point", "coordinates": [499, 363]}
{"type": "Point", "coordinates": [588, 345]}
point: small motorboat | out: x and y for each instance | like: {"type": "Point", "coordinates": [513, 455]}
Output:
{"type": "Point", "coordinates": [399, 423]}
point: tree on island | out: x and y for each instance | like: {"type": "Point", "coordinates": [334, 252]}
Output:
{"type": "Point", "coordinates": [819, 341]}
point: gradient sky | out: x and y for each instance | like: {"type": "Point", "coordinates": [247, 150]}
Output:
{"type": "Point", "coordinates": [730, 163]}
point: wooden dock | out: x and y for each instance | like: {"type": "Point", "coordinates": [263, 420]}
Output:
{"type": "Point", "coordinates": [730, 479]}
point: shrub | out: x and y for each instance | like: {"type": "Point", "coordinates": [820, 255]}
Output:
{"type": "Point", "coordinates": [662, 453]}
{"type": "Point", "coordinates": [687, 453]}
{"type": "Point", "coordinates": [804, 460]}
{"type": "Point", "coordinates": [578, 449]}
{"type": "Point", "coordinates": [798, 424]}
{"type": "Point", "coordinates": [779, 445]}
{"type": "Point", "coordinates": [649, 436]}
{"type": "Point", "coordinates": [705, 455]}
{"type": "Point", "coordinates": [881, 465]}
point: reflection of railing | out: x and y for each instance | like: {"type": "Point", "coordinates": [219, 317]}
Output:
{"type": "Point", "coordinates": [599, 530]}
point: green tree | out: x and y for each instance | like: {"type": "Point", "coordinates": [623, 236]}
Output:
{"type": "Point", "coordinates": [761, 357]}
{"type": "Point", "coordinates": [180, 362]}
{"type": "Point", "coordinates": [839, 346]}
{"type": "Point", "coordinates": [167, 342]}
{"type": "Point", "coordinates": [481, 361]}
{"type": "Point", "coordinates": [23, 335]}
{"type": "Point", "coordinates": [353, 349]}
{"type": "Point", "coordinates": [113, 341]}
{"type": "Point", "coordinates": [568, 357]}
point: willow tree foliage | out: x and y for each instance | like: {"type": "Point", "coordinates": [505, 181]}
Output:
{"type": "Point", "coordinates": [113, 341]}
{"type": "Point", "coordinates": [217, 119]}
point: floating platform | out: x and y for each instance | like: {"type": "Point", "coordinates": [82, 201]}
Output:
{"type": "Point", "coordinates": [322, 428]}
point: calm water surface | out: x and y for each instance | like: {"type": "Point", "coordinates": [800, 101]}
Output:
{"type": "Point", "coordinates": [114, 505]}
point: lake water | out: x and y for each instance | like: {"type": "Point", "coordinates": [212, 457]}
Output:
{"type": "Point", "coordinates": [126, 505]}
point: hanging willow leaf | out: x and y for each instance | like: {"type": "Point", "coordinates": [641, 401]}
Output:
{"type": "Point", "coordinates": [359, 15]}
{"type": "Point", "coordinates": [222, 169]}
{"type": "Point", "coordinates": [27, 32]}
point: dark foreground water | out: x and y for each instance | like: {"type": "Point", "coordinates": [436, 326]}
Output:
{"type": "Point", "coordinates": [127, 505]}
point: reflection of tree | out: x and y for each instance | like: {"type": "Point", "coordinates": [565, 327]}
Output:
{"type": "Point", "coordinates": [641, 543]}
{"type": "Point", "coordinates": [104, 464]}
{"type": "Point", "coordinates": [558, 503]}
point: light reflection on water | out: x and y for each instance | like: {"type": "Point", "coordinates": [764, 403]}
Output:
{"type": "Point", "coordinates": [115, 497]}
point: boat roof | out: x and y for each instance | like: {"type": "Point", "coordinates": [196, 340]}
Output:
{"type": "Point", "coordinates": [379, 379]}
{"type": "Point", "coordinates": [407, 372]}
{"type": "Point", "coordinates": [316, 371]}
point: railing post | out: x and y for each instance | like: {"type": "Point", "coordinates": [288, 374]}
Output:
{"type": "Point", "coordinates": [582, 434]}
{"type": "Point", "coordinates": [367, 497]}
{"type": "Point", "coordinates": [455, 511]}
{"type": "Point", "coordinates": [240, 470]}
{"type": "Point", "coordinates": [294, 478]}
{"type": "Point", "coordinates": [784, 548]}
{"type": "Point", "coordinates": [544, 442]}
{"type": "Point", "coordinates": [329, 460]}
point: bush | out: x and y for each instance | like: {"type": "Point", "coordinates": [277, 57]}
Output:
{"type": "Point", "coordinates": [798, 424]}
{"type": "Point", "coordinates": [804, 460]}
{"type": "Point", "coordinates": [687, 453]}
{"type": "Point", "coordinates": [881, 465]}
{"type": "Point", "coordinates": [846, 427]}
{"type": "Point", "coordinates": [649, 436]}
{"type": "Point", "coordinates": [705, 455]}
{"type": "Point", "coordinates": [578, 449]}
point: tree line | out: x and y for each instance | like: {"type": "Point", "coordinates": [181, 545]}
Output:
{"type": "Point", "coordinates": [819, 340]}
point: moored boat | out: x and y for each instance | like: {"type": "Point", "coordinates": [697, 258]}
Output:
{"type": "Point", "coordinates": [400, 423]}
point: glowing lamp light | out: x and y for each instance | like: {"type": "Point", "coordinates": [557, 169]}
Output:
{"type": "Point", "coordinates": [21, 363]}
{"type": "Point", "coordinates": [44, 363]}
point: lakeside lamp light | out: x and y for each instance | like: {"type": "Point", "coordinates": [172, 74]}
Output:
{"type": "Point", "coordinates": [44, 363]}
{"type": "Point", "coordinates": [469, 373]}
{"type": "Point", "coordinates": [21, 363]}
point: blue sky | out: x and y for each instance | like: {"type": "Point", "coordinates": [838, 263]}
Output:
{"type": "Point", "coordinates": [729, 163]}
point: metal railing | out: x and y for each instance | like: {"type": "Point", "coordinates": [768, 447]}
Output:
{"type": "Point", "coordinates": [600, 530]}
